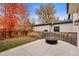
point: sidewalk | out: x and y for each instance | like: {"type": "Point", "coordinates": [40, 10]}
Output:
{"type": "Point", "coordinates": [40, 48]}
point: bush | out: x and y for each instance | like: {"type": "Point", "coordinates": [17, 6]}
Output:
{"type": "Point", "coordinates": [34, 34]}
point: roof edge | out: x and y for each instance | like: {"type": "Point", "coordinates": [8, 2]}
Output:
{"type": "Point", "coordinates": [54, 23]}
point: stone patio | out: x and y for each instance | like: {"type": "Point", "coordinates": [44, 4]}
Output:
{"type": "Point", "coordinates": [40, 48]}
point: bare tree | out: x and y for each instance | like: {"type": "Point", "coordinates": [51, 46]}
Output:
{"type": "Point", "coordinates": [32, 23]}
{"type": "Point", "coordinates": [46, 13]}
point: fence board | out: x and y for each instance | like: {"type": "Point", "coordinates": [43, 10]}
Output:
{"type": "Point", "coordinates": [70, 37]}
{"type": "Point", "coordinates": [6, 34]}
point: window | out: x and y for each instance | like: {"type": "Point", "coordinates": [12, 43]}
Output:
{"type": "Point", "coordinates": [56, 29]}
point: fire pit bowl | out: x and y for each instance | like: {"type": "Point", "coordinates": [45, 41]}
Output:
{"type": "Point", "coordinates": [49, 38]}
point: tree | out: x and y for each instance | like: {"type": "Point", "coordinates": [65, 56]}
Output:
{"type": "Point", "coordinates": [32, 23]}
{"type": "Point", "coordinates": [14, 12]}
{"type": "Point", "coordinates": [46, 13]}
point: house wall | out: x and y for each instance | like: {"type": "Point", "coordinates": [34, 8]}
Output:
{"type": "Point", "coordinates": [74, 10]}
{"type": "Point", "coordinates": [76, 28]}
{"type": "Point", "coordinates": [68, 27]}
{"type": "Point", "coordinates": [41, 28]}
{"type": "Point", "coordinates": [73, 7]}
{"type": "Point", "coordinates": [65, 27]}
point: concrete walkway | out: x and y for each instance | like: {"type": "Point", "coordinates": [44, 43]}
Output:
{"type": "Point", "coordinates": [40, 48]}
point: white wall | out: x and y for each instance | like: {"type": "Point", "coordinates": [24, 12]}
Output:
{"type": "Point", "coordinates": [41, 28]}
{"type": "Point", "coordinates": [76, 28]}
{"type": "Point", "coordinates": [65, 27]}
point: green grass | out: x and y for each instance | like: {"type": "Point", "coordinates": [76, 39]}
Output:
{"type": "Point", "coordinates": [11, 43]}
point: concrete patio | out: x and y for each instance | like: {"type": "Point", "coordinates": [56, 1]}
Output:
{"type": "Point", "coordinates": [40, 48]}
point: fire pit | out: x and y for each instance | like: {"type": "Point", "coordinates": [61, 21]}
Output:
{"type": "Point", "coordinates": [49, 38]}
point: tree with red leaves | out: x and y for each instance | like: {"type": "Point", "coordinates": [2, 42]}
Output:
{"type": "Point", "coordinates": [16, 17]}
{"type": "Point", "coordinates": [11, 12]}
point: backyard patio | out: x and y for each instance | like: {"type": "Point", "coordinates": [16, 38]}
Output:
{"type": "Point", "coordinates": [21, 36]}
{"type": "Point", "coordinates": [41, 48]}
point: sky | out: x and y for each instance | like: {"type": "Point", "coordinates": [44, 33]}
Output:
{"type": "Point", "coordinates": [60, 10]}
{"type": "Point", "coordinates": [59, 7]}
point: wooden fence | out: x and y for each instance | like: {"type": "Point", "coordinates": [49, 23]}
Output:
{"type": "Point", "coordinates": [11, 34]}
{"type": "Point", "coordinates": [70, 37]}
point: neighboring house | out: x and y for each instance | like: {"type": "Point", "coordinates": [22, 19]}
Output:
{"type": "Point", "coordinates": [73, 12]}
{"type": "Point", "coordinates": [63, 26]}
{"type": "Point", "coordinates": [42, 27]}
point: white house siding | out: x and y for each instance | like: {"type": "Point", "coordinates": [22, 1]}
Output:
{"type": "Point", "coordinates": [68, 27]}
{"type": "Point", "coordinates": [41, 28]}
{"type": "Point", "coordinates": [75, 16]}
{"type": "Point", "coordinates": [76, 28]}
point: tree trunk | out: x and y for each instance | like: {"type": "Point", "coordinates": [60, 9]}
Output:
{"type": "Point", "coordinates": [10, 34]}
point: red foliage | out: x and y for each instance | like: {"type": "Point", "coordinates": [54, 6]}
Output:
{"type": "Point", "coordinates": [10, 19]}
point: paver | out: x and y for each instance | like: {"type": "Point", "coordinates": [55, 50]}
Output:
{"type": "Point", "coordinates": [6, 53]}
{"type": "Point", "coordinates": [36, 48]}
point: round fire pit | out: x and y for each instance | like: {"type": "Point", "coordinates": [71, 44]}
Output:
{"type": "Point", "coordinates": [51, 40]}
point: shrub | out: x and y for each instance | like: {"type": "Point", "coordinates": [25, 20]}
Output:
{"type": "Point", "coordinates": [34, 34]}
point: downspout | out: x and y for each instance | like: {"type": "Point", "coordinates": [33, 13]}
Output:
{"type": "Point", "coordinates": [50, 28]}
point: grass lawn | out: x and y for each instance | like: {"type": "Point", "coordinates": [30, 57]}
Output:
{"type": "Point", "coordinates": [11, 43]}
